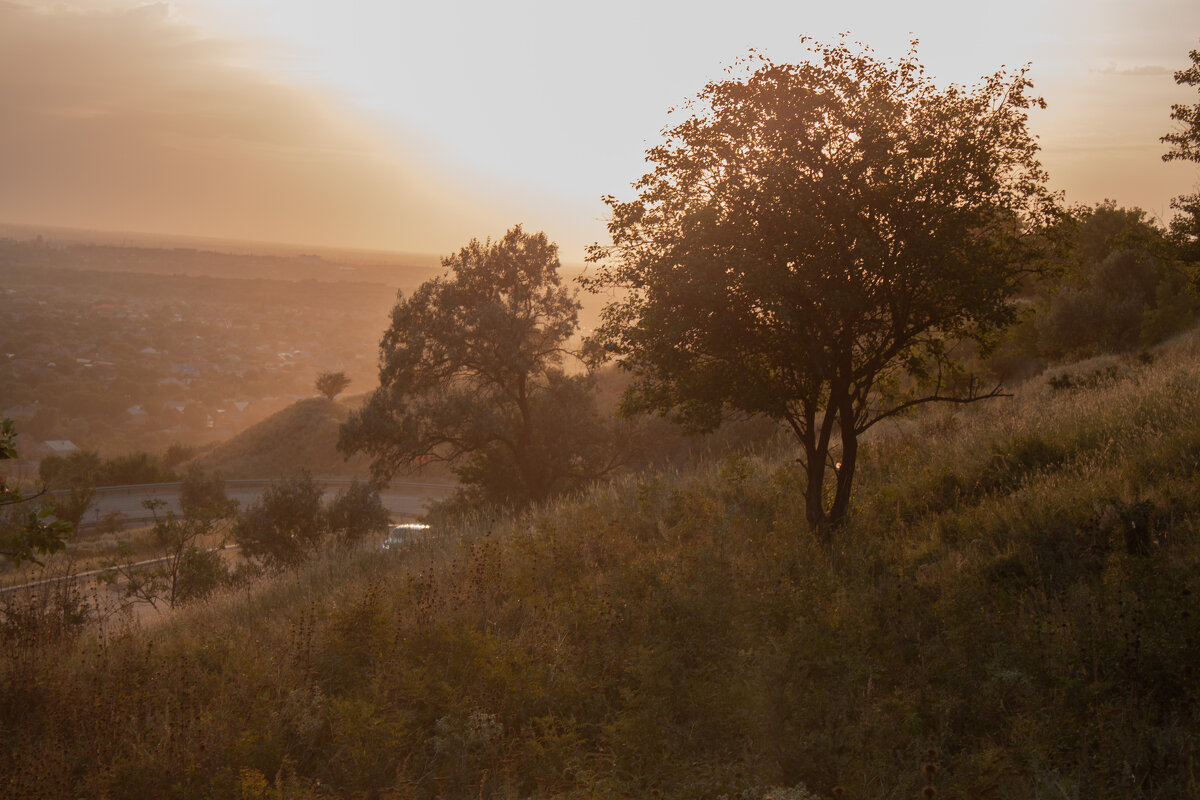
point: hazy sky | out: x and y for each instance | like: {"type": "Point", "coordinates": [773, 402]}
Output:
{"type": "Point", "coordinates": [396, 125]}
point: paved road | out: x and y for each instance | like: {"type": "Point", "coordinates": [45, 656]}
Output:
{"type": "Point", "coordinates": [402, 500]}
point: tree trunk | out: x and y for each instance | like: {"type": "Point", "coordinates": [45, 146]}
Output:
{"type": "Point", "coordinates": [814, 493]}
{"type": "Point", "coordinates": [845, 475]}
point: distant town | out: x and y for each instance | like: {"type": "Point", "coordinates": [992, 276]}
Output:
{"type": "Point", "coordinates": [118, 349]}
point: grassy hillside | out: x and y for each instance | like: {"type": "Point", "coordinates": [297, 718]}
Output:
{"type": "Point", "coordinates": [302, 436]}
{"type": "Point", "coordinates": [1010, 613]}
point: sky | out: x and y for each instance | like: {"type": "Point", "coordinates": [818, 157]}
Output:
{"type": "Point", "coordinates": [418, 126]}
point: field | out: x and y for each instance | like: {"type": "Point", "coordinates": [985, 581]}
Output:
{"type": "Point", "coordinates": [1010, 612]}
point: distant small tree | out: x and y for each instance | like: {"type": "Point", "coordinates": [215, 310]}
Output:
{"type": "Point", "coordinates": [331, 384]}
{"type": "Point", "coordinates": [134, 468]}
{"type": "Point", "coordinates": [79, 468]}
{"type": "Point", "coordinates": [71, 507]}
{"type": "Point", "coordinates": [86, 468]}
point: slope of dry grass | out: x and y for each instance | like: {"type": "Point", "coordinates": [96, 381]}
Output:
{"type": "Point", "coordinates": [1010, 612]}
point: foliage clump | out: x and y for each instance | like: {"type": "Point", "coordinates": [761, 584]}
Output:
{"type": "Point", "coordinates": [1117, 286]}
{"type": "Point", "coordinates": [1184, 144]}
{"type": "Point", "coordinates": [26, 530]}
{"type": "Point", "coordinates": [289, 523]}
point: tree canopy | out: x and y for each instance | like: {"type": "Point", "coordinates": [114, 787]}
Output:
{"type": "Point", "coordinates": [812, 241]}
{"type": "Point", "coordinates": [471, 374]}
{"type": "Point", "coordinates": [1184, 145]}
{"type": "Point", "coordinates": [1185, 141]}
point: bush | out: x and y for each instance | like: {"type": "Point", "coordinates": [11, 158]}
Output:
{"type": "Point", "coordinates": [1115, 290]}
{"type": "Point", "coordinates": [289, 523]}
{"type": "Point", "coordinates": [285, 526]}
{"type": "Point", "coordinates": [356, 512]}
{"type": "Point", "coordinates": [86, 468]}
{"type": "Point", "coordinates": [203, 494]}
{"type": "Point", "coordinates": [200, 573]}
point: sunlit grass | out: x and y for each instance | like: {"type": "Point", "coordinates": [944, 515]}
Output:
{"type": "Point", "coordinates": [1013, 589]}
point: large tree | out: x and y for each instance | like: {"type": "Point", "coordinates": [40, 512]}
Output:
{"type": "Point", "coordinates": [812, 241]}
{"type": "Point", "coordinates": [471, 374]}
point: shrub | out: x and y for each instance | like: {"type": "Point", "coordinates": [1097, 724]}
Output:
{"type": "Point", "coordinates": [289, 523]}
{"type": "Point", "coordinates": [356, 512]}
{"type": "Point", "coordinates": [285, 526]}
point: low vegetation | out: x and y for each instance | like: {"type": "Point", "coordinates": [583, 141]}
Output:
{"type": "Point", "coordinates": [289, 524]}
{"type": "Point", "coordinates": [1008, 612]}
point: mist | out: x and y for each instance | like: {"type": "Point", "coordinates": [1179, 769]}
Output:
{"type": "Point", "coordinates": [134, 120]}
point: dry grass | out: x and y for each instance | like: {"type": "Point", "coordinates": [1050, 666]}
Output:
{"type": "Point", "coordinates": [1014, 591]}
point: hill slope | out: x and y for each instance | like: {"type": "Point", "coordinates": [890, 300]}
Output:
{"type": "Point", "coordinates": [1010, 612]}
{"type": "Point", "coordinates": [302, 436]}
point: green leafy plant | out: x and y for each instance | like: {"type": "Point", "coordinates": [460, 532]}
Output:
{"type": "Point", "coordinates": [27, 532]}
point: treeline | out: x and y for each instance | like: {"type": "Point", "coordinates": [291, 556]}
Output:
{"type": "Point", "coordinates": [1119, 282]}
{"type": "Point", "coordinates": [87, 468]}
{"type": "Point", "coordinates": [1108, 280]}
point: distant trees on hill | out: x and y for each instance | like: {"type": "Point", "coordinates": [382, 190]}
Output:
{"type": "Point", "coordinates": [1117, 285]}
{"type": "Point", "coordinates": [331, 384]}
{"type": "Point", "coordinates": [86, 467]}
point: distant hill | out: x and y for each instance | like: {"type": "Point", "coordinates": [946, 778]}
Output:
{"type": "Point", "coordinates": [302, 436]}
{"type": "Point", "coordinates": [82, 250]}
